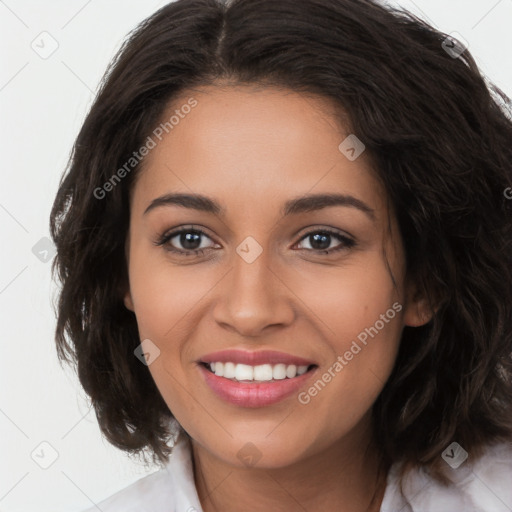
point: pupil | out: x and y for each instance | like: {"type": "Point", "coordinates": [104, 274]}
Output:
{"type": "Point", "coordinates": [190, 238]}
{"type": "Point", "coordinates": [320, 241]}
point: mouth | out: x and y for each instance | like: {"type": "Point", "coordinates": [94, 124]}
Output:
{"type": "Point", "coordinates": [255, 379]}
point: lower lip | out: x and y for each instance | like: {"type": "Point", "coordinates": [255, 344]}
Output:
{"type": "Point", "coordinates": [260, 394]}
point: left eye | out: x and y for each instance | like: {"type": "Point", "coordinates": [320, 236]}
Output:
{"type": "Point", "coordinates": [322, 239]}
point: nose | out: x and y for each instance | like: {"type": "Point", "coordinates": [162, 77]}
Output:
{"type": "Point", "coordinates": [252, 298]}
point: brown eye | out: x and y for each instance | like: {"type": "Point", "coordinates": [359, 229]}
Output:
{"type": "Point", "coordinates": [321, 240]}
{"type": "Point", "coordinates": [186, 242]}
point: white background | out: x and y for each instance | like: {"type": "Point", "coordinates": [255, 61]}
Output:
{"type": "Point", "coordinates": [43, 102]}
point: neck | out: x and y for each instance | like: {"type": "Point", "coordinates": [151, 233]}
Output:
{"type": "Point", "coordinates": [344, 477]}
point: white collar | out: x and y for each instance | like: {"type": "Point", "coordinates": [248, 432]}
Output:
{"type": "Point", "coordinates": [182, 474]}
{"type": "Point", "coordinates": [484, 486]}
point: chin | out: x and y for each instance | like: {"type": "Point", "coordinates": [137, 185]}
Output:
{"type": "Point", "coordinates": [261, 450]}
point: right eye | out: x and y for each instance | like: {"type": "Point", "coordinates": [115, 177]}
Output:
{"type": "Point", "coordinates": [188, 238]}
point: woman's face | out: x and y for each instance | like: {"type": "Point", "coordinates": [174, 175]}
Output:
{"type": "Point", "coordinates": [264, 160]}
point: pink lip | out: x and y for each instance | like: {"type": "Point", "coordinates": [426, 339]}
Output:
{"type": "Point", "coordinates": [247, 394]}
{"type": "Point", "coordinates": [254, 358]}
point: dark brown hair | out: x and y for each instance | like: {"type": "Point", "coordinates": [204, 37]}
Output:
{"type": "Point", "coordinates": [441, 141]}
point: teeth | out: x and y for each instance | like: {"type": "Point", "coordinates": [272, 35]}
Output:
{"type": "Point", "coordinates": [244, 372]}
{"type": "Point", "coordinates": [219, 369]}
{"type": "Point", "coordinates": [279, 372]}
{"type": "Point", "coordinates": [301, 370]}
{"type": "Point", "coordinates": [263, 372]}
{"type": "Point", "coordinates": [260, 373]}
{"type": "Point", "coordinates": [229, 370]}
{"type": "Point", "coordinates": [291, 371]}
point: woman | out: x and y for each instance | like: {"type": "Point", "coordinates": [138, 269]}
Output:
{"type": "Point", "coordinates": [284, 246]}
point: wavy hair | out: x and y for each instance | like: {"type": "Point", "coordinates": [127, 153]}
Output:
{"type": "Point", "coordinates": [440, 137]}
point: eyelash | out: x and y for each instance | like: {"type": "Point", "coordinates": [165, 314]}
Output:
{"type": "Point", "coordinates": [164, 239]}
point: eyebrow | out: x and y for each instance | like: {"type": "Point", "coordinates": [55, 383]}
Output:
{"type": "Point", "coordinates": [294, 206]}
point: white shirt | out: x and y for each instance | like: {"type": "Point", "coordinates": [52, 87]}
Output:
{"type": "Point", "coordinates": [485, 486]}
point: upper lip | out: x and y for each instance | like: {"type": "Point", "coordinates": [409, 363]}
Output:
{"type": "Point", "coordinates": [254, 358]}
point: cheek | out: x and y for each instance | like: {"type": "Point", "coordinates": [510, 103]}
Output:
{"type": "Point", "coordinates": [163, 294]}
{"type": "Point", "coordinates": [346, 301]}
{"type": "Point", "coordinates": [360, 313]}
{"type": "Point", "coordinates": [161, 302]}
{"type": "Point", "coordinates": [167, 301]}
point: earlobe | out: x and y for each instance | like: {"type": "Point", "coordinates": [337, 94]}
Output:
{"type": "Point", "coordinates": [127, 296]}
{"type": "Point", "coordinates": [417, 309]}
{"type": "Point", "coordinates": [128, 301]}
{"type": "Point", "coordinates": [417, 313]}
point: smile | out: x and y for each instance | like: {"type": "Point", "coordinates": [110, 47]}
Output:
{"type": "Point", "coordinates": [254, 379]}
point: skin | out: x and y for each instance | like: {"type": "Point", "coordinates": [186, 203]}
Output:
{"type": "Point", "coordinates": [251, 150]}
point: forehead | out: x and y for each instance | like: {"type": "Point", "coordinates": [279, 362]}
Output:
{"type": "Point", "coordinates": [244, 145]}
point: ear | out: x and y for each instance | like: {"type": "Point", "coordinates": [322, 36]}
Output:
{"type": "Point", "coordinates": [417, 311]}
{"type": "Point", "coordinates": [126, 293]}
{"type": "Point", "coordinates": [128, 302]}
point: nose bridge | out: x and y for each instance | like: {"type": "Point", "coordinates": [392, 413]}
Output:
{"type": "Point", "coordinates": [252, 296]}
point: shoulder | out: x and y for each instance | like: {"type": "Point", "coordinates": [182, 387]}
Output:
{"type": "Point", "coordinates": [167, 489]}
{"type": "Point", "coordinates": [482, 485]}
